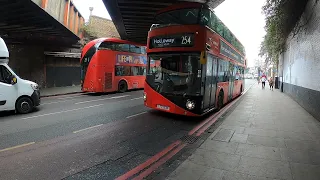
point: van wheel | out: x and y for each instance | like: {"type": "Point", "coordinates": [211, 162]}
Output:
{"type": "Point", "coordinates": [24, 105]}
{"type": "Point", "coordinates": [220, 100]}
{"type": "Point", "coordinates": [122, 86]}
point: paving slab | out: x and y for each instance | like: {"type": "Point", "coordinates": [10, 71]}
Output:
{"type": "Point", "coordinates": [214, 159]}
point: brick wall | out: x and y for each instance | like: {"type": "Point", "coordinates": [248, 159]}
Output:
{"type": "Point", "coordinates": [101, 27]}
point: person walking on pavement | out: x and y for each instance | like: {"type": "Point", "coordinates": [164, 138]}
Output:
{"type": "Point", "coordinates": [271, 83]}
{"type": "Point", "coordinates": [263, 80]}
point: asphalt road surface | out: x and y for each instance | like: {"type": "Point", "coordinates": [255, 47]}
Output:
{"type": "Point", "coordinates": [86, 136]}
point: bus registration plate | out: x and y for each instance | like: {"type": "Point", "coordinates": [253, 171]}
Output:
{"type": "Point", "coordinates": [163, 107]}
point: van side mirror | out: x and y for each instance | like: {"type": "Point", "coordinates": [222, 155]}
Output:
{"type": "Point", "coordinates": [13, 80]}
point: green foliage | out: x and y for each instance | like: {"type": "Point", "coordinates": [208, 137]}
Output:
{"type": "Point", "coordinates": [88, 31]}
{"type": "Point", "coordinates": [281, 18]}
{"type": "Point", "coordinates": [274, 40]}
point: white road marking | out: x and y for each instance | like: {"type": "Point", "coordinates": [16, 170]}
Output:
{"type": "Point", "coordinates": [136, 115]}
{"type": "Point", "coordinates": [136, 98]}
{"type": "Point", "coordinates": [55, 102]}
{"type": "Point", "coordinates": [69, 97]}
{"type": "Point", "coordinates": [115, 97]}
{"type": "Point", "coordinates": [59, 112]}
{"type": "Point", "coordinates": [87, 128]}
{"type": "Point", "coordinates": [15, 147]}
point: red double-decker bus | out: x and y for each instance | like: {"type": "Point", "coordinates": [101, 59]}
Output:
{"type": "Point", "coordinates": [110, 64]}
{"type": "Point", "coordinates": [195, 63]}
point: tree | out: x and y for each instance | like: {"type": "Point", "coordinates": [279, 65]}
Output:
{"type": "Point", "coordinates": [281, 18]}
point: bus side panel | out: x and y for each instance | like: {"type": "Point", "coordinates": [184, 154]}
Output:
{"type": "Point", "coordinates": [106, 72]}
{"type": "Point", "coordinates": [157, 101]}
{"type": "Point", "coordinates": [133, 82]}
{"type": "Point", "coordinates": [90, 77]}
{"type": "Point", "coordinates": [224, 86]}
{"type": "Point", "coordinates": [237, 88]}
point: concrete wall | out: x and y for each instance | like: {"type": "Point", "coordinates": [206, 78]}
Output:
{"type": "Point", "coordinates": [54, 8]}
{"type": "Point", "coordinates": [38, 2]}
{"type": "Point", "coordinates": [27, 62]}
{"type": "Point", "coordinates": [299, 65]}
{"type": "Point", "coordinates": [57, 9]}
{"type": "Point", "coordinates": [62, 8]}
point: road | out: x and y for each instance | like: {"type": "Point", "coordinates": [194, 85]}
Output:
{"type": "Point", "coordinates": [86, 136]}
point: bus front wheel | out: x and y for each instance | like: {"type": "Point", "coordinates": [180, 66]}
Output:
{"type": "Point", "coordinates": [122, 87]}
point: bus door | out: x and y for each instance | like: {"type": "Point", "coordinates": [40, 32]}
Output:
{"type": "Point", "coordinates": [214, 82]}
{"type": "Point", "coordinates": [210, 82]}
{"type": "Point", "coordinates": [231, 81]}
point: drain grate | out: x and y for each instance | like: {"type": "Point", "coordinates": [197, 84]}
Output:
{"type": "Point", "coordinates": [189, 139]}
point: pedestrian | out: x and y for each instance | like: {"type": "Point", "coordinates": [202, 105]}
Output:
{"type": "Point", "coordinates": [263, 80]}
{"type": "Point", "coordinates": [271, 83]}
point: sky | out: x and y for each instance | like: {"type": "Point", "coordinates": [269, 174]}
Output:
{"type": "Point", "coordinates": [243, 17]}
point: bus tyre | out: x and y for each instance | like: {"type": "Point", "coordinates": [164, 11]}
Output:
{"type": "Point", "coordinates": [24, 105]}
{"type": "Point", "coordinates": [122, 87]}
{"type": "Point", "coordinates": [220, 100]}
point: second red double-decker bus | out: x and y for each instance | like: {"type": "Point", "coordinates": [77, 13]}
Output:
{"type": "Point", "coordinates": [195, 64]}
{"type": "Point", "coordinates": [111, 64]}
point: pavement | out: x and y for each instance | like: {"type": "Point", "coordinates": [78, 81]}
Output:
{"type": "Point", "coordinates": [45, 92]}
{"type": "Point", "coordinates": [267, 136]}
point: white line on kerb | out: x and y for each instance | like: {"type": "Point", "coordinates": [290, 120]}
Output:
{"type": "Point", "coordinates": [15, 147]}
{"type": "Point", "coordinates": [116, 97]}
{"type": "Point", "coordinates": [136, 115]}
{"type": "Point", "coordinates": [87, 128]}
{"type": "Point", "coordinates": [62, 111]}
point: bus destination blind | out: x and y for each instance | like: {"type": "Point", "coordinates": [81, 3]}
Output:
{"type": "Point", "coordinates": [177, 40]}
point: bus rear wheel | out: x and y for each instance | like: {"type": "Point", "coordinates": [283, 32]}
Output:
{"type": "Point", "coordinates": [122, 86]}
{"type": "Point", "coordinates": [220, 100]}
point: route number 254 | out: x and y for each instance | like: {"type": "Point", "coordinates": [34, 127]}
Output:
{"type": "Point", "coordinates": [186, 40]}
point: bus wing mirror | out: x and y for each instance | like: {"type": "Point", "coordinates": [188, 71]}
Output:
{"type": "Point", "coordinates": [203, 57]}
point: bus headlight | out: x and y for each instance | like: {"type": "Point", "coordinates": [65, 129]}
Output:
{"type": "Point", "coordinates": [144, 96]}
{"type": "Point", "coordinates": [190, 105]}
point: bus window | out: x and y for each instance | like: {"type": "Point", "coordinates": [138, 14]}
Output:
{"type": "Point", "coordinates": [123, 71]}
{"type": "Point", "coordinates": [106, 46]}
{"type": "Point", "coordinates": [86, 60]}
{"type": "Point", "coordinates": [122, 47]}
{"type": "Point", "coordinates": [135, 49]}
{"type": "Point", "coordinates": [223, 71]}
{"type": "Point", "coordinates": [180, 16]}
{"type": "Point", "coordinates": [205, 17]}
{"type": "Point", "coordinates": [220, 28]}
{"type": "Point", "coordinates": [137, 70]}
{"type": "Point", "coordinates": [143, 50]}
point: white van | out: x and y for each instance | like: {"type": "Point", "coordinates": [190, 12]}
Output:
{"type": "Point", "coordinates": [15, 93]}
